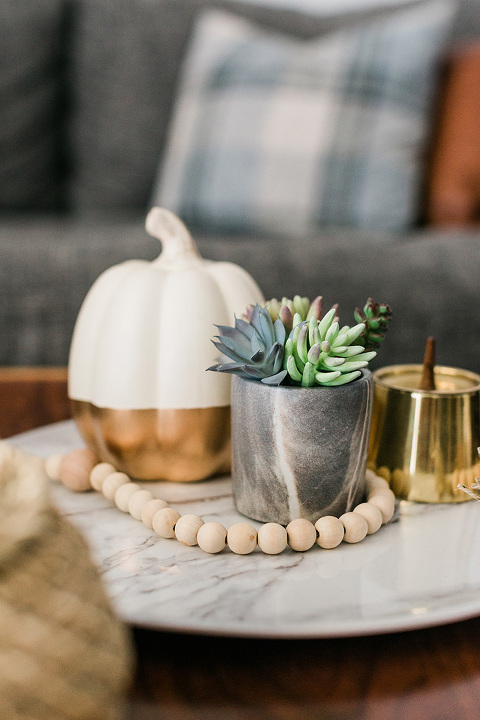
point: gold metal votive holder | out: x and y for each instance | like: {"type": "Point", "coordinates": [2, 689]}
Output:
{"type": "Point", "coordinates": [424, 442]}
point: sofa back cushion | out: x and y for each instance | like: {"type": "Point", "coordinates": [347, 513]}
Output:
{"type": "Point", "coordinates": [31, 113]}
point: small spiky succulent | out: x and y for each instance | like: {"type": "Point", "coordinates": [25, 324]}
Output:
{"type": "Point", "coordinates": [322, 353]}
{"type": "Point", "coordinates": [376, 318]}
{"type": "Point", "coordinates": [289, 341]}
{"type": "Point", "coordinates": [256, 347]}
{"type": "Point", "coordinates": [298, 309]}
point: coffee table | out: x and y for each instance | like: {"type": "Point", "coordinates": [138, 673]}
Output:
{"type": "Point", "coordinates": [429, 671]}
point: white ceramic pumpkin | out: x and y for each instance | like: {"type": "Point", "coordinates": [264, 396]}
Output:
{"type": "Point", "coordinates": [139, 353]}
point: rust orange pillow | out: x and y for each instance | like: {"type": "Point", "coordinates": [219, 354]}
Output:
{"type": "Point", "coordinates": [454, 184]}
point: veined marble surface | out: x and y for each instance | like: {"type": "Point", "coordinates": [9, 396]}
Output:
{"type": "Point", "coordinates": [422, 569]}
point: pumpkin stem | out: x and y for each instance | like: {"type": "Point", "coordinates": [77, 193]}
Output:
{"type": "Point", "coordinates": [177, 243]}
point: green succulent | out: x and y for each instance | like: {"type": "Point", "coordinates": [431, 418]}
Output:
{"type": "Point", "coordinates": [376, 318]}
{"type": "Point", "coordinates": [291, 312]}
{"type": "Point", "coordinates": [255, 346]}
{"type": "Point", "coordinates": [320, 352]}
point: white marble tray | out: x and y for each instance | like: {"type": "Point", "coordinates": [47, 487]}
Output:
{"type": "Point", "coordinates": [422, 569]}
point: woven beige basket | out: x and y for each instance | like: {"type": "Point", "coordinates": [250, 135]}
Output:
{"type": "Point", "coordinates": [63, 653]}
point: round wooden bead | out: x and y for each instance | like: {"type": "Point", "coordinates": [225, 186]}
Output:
{"type": "Point", "coordinates": [75, 469]}
{"type": "Point", "coordinates": [272, 538]}
{"type": "Point", "coordinates": [138, 501]}
{"type": "Point", "coordinates": [187, 528]}
{"type": "Point", "coordinates": [211, 537]}
{"type": "Point", "coordinates": [330, 531]}
{"type": "Point", "coordinates": [242, 538]}
{"type": "Point", "coordinates": [164, 522]}
{"type": "Point", "coordinates": [123, 495]}
{"type": "Point", "coordinates": [111, 484]}
{"type": "Point", "coordinates": [52, 466]}
{"type": "Point", "coordinates": [386, 492]}
{"type": "Point", "coordinates": [374, 482]}
{"type": "Point", "coordinates": [356, 527]}
{"type": "Point", "coordinates": [99, 473]}
{"type": "Point", "coordinates": [372, 515]}
{"type": "Point", "coordinates": [149, 510]}
{"type": "Point", "coordinates": [301, 534]}
{"type": "Point", "coordinates": [385, 504]}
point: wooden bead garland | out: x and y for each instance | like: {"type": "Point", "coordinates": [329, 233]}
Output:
{"type": "Point", "coordinates": [79, 471]}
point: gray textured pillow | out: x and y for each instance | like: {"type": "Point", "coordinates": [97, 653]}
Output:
{"type": "Point", "coordinates": [126, 62]}
{"type": "Point", "coordinates": [30, 89]}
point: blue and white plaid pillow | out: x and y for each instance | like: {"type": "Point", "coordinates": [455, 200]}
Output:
{"type": "Point", "coordinates": [276, 134]}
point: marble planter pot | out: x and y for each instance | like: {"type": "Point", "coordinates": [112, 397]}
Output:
{"type": "Point", "coordinates": [299, 452]}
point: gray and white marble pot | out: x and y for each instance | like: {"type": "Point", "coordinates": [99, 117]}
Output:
{"type": "Point", "coordinates": [299, 452]}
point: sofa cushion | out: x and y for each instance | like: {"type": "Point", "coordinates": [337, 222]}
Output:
{"type": "Point", "coordinates": [429, 277]}
{"type": "Point", "coordinates": [31, 37]}
{"type": "Point", "coordinates": [273, 134]}
{"type": "Point", "coordinates": [125, 68]}
{"type": "Point", "coordinates": [454, 184]}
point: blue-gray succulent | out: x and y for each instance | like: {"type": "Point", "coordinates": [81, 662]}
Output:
{"type": "Point", "coordinates": [255, 347]}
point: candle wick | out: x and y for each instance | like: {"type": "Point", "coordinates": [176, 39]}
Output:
{"type": "Point", "coordinates": [427, 381]}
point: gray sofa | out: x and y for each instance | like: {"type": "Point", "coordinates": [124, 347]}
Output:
{"type": "Point", "coordinates": [87, 93]}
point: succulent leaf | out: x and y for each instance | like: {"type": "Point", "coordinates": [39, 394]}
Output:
{"type": "Point", "coordinates": [316, 309]}
{"type": "Point", "coordinates": [343, 379]}
{"type": "Point", "coordinates": [308, 375]}
{"type": "Point", "coordinates": [286, 316]}
{"type": "Point", "coordinates": [262, 323]}
{"type": "Point", "coordinates": [275, 379]}
{"type": "Point", "coordinates": [302, 343]}
{"type": "Point", "coordinates": [332, 333]}
{"type": "Point", "coordinates": [314, 354]}
{"type": "Point", "coordinates": [293, 370]}
{"type": "Point", "coordinates": [313, 332]}
{"type": "Point", "coordinates": [326, 322]}
{"type": "Point", "coordinates": [376, 318]}
{"type": "Point", "coordinates": [349, 351]}
{"type": "Point", "coordinates": [279, 330]}
{"type": "Point", "coordinates": [326, 378]}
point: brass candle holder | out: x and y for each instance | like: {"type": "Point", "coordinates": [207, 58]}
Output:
{"type": "Point", "coordinates": [424, 441]}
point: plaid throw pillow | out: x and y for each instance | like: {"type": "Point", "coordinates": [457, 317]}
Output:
{"type": "Point", "coordinates": [273, 134]}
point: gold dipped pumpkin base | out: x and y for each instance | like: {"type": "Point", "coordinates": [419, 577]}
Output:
{"type": "Point", "coordinates": [181, 445]}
